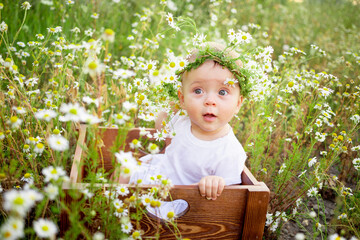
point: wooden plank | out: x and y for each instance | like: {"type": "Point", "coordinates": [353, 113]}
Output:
{"type": "Point", "coordinates": [256, 209]}
{"type": "Point", "coordinates": [64, 216]}
{"type": "Point", "coordinates": [233, 215]}
{"type": "Point", "coordinates": [247, 178]}
{"type": "Point", "coordinates": [206, 219]}
{"type": "Point", "coordinates": [76, 165]}
{"type": "Point", "coordinates": [110, 136]}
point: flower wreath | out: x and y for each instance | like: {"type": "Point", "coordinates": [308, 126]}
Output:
{"type": "Point", "coordinates": [224, 58]}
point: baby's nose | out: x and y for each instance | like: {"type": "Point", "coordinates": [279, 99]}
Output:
{"type": "Point", "coordinates": [210, 100]}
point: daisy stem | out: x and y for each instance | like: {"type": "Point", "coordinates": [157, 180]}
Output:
{"type": "Point", "coordinates": [22, 24]}
{"type": "Point", "coordinates": [43, 213]}
{"type": "Point", "coordinates": [100, 81]}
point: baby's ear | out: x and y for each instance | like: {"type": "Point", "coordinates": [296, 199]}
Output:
{"type": "Point", "coordinates": [181, 98]}
{"type": "Point", "coordinates": [239, 103]}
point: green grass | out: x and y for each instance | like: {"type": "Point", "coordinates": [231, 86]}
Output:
{"type": "Point", "coordinates": [280, 133]}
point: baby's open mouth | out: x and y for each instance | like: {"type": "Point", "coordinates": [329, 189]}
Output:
{"type": "Point", "coordinates": [209, 116]}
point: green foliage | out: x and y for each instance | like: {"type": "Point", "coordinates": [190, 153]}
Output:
{"type": "Point", "coordinates": [299, 128]}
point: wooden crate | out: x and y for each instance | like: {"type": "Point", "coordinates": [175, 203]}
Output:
{"type": "Point", "coordinates": [239, 213]}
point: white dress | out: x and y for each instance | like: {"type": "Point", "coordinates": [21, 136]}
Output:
{"type": "Point", "coordinates": [187, 159]}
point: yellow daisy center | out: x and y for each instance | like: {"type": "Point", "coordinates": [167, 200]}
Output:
{"type": "Point", "coordinates": [92, 65]}
{"type": "Point", "coordinates": [13, 119]}
{"type": "Point", "coordinates": [170, 214]}
{"type": "Point", "coordinates": [19, 201]}
{"type": "Point", "coordinates": [109, 32]}
{"type": "Point", "coordinates": [40, 146]}
{"type": "Point", "coordinates": [73, 111]}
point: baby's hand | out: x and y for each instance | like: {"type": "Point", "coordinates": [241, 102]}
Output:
{"type": "Point", "coordinates": [211, 187]}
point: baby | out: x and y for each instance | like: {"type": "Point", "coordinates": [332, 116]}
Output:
{"type": "Point", "coordinates": [204, 150]}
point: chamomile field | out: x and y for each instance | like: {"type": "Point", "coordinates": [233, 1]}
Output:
{"type": "Point", "coordinates": [114, 63]}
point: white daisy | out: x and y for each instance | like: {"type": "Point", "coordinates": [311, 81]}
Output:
{"type": "Point", "coordinates": [98, 236]}
{"type": "Point", "coordinates": [90, 119]}
{"type": "Point", "coordinates": [88, 100]}
{"type": "Point", "coordinates": [109, 35]}
{"type": "Point", "coordinates": [2, 135]}
{"type": "Point", "coordinates": [39, 148]}
{"type": "Point", "coordinates": [121, 212]}
{"type": "Point", "coordinates": [3, 27]}
{"type": "Point", "coordinates": [33, 194]}
{"type": "Point", "coordinates": [312, 161]}
{"type": "Point", "coordinates": [26, 6]}
{"type": "Point", "coordinates": [312, 192]}
{"type": "Point", "coordinates": [336, 237]}
{"type": "Point", "coordinates": [135, 144]}
{"type": "Point", "coordinates": [19, 110]}
{"type": "Point", "coordinates": [94, 16]}
{"type": "Point", "coordinates": [122, 190]}
{"type": "Point", "coordinates": [100, 177]}
{"type": "Point", "coordinates": [300, 236]}
{"type": "Point", "coordinates": [230, 82]}
{"type": "Point", "coordinates": [73, 112]}
{"type": "Point", "coordinates": [125, 158]}
{"type": "Point", "coordinates": [17, 201]}
{"type": "Point", "coordinates": [93, 67]}
{"type": "Point", "coordinates": [325, 92]}
{"type": "Point", "coordinates": [52, 173]}
{"type": "Point", "coordinates": [231, 35]}
{"type": "Point", "coordinates": [118, 203]}
{"type": "Point", "coordinates": [15, 122]}
{"type": "Point", "coordinates": [121, 118]}
{"type": "Point", "coordinates": [110, 194]}
{"type": "Point", "coordinates": [45, 228]}
{"type": "Point", "coordinates": [46, 114]}
{"type": "Point", "coordinates": [127, 161]}
{"type": "Point", "coordinates": [128, 106]}
{"type": "Point", "coordinates": [153, 148]}
{"type": "Point", "coordinates": [87, 193]}
{"type": "Point", "coordinates": [13, 228]}
{"type": "Point", "coordinates": [58, 143]}
{"type": "Point", "coordinates": [146, 199]}
{"type": "Point", "coordinates": [28, 177]}
{"type": "Point", "coordinates": [126, 227]}
{"type": "Point", "coordinates": [52, 191]}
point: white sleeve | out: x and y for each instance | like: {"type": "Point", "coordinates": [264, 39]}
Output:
{"type": "Point", "coordinates": [176, 121]}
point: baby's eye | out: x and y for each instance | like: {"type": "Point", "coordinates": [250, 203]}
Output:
{"type": "Point", "coordinates": [223, 92]}
{"type": "Point", "coordinates": [198, 91]}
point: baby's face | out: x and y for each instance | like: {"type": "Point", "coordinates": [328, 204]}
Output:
{"type": "Point", "coordinates": [209, 102]}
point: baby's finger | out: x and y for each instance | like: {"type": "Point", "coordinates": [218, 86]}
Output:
{"type": "Point", "coordinates": [202, 187]}
{"type": "Point", "coordinates": [221, 186]}
{"type": "Point", "coordinates": [208, 188]}
{"type": "Point", "coordinates": [214, 189]}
